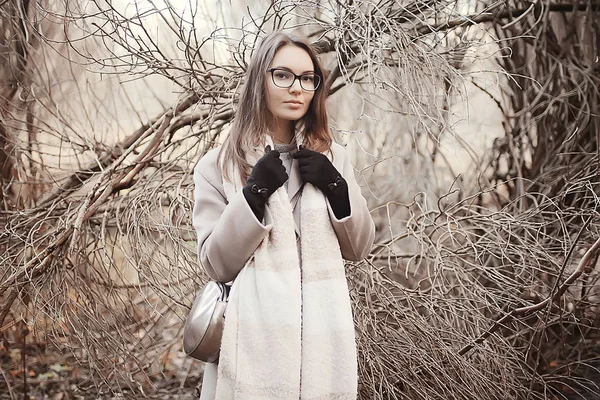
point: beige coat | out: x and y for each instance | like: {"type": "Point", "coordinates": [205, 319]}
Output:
{"type": "Point", "coordinates": [228, 233]}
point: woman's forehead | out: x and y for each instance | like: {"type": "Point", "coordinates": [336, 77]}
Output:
{"type": "Point", "coordinates": [294, 58]}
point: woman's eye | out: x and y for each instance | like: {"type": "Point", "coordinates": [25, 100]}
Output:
{"type": "Point", "coordinates": [281, 75]}
{"type": "Point", "coordinates": [308, 78]}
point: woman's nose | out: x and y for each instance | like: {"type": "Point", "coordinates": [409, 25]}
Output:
{"type": "Point", "coordinates": [296, 86]}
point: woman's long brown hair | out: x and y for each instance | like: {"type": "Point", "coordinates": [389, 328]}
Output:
{"type": "Point", "coordinates": [251, 121]}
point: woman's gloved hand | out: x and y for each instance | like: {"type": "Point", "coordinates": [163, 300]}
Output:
{"type": "Point", "coordinates": [315, 168]}
{"type": "Point", "coordinates": [266, 177]}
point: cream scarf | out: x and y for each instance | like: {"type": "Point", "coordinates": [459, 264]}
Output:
{"type": "Point", "coordinates": [289, 332]}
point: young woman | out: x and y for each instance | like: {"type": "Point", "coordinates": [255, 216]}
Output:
{"type": "Point", "coordinates": [277, 209]}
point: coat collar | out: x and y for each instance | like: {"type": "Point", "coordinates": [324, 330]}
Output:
{"type": "Point", "coordinates": [294, 180]}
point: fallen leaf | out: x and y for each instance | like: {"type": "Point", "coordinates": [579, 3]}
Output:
{"type": "Point", "coordinates": [60, 367]}
{"type": "Point", "coordinates": [47, 375]}
{"type": "Point", "coordinates": [15, 355]}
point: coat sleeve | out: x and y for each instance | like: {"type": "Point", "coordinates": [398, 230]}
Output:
{"type": "Point", "coordinates": [356, 232]}
{"type": "Point", "coordinates": [228, 232]}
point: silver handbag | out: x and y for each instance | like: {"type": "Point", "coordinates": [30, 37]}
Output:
{"type": "Point", "coordinates": [204, 325]}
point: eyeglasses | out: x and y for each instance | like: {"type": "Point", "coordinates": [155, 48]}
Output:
{"type": "Point", "coordinates": [284, 79]}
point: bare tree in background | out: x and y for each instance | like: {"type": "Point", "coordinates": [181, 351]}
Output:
{"type": "Point", "coordinates": [485, 290]}
{"type": "Point", "coordinates": [17, 60]}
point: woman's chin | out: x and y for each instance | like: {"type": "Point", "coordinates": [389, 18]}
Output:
{"type": "Point", "coordinates": [292, 116]}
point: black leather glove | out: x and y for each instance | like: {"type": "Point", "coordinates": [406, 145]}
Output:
{"type": "Point", "coordinates": [316, 169]}
{"type": "Point", "coordinates": [266, 177]}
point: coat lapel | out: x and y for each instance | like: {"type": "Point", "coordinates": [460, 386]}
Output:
{"type": "Point", "coordinates": [294, 186]}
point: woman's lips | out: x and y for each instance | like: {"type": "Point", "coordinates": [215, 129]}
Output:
{"type": "Point", "coordinates": [293, 104]}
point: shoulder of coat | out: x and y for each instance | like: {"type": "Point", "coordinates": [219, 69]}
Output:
{"type": "Point", "coordinates": [337, 148]}
{"type": "Point", "coordinates": [338, 153]}
{"type": "Point", "coordinates": [209, 159]}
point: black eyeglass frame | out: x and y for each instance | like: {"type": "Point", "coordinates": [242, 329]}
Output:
{"type": "Point", "coordinates": [317, 80]}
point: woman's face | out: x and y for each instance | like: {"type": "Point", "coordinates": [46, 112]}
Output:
{"type": "Point", "coordinates": [289, 104]}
